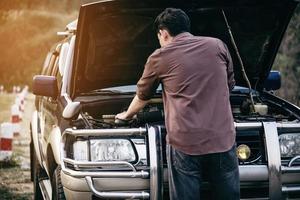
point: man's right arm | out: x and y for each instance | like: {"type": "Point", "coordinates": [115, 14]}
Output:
{"type": "Point", "coordinates": [150, 80]}
{"type": "Point", "coordinates": [230, 73]}
{"type": "Point", "coordinates": [146, 87]}
{"type": "Point", "coordinates": [227, 57]}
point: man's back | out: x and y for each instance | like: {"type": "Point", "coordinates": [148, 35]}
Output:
{"type": "Point", "coordinates": [197, 74]}
{"type": "Point", "coordinates": [193, 71]}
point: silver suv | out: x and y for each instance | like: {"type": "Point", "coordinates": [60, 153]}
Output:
{"type": "Point", "coordinates": [79, 151]}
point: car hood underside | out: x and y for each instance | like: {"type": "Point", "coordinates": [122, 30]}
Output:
{"type": "Point", "coordinates": [114, 38]}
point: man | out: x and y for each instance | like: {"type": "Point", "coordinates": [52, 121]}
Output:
{"type": "Point", "coordinates": [197, 76]}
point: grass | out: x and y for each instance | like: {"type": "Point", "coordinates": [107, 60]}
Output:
{"type": "Point", "coordinates": [14, 161]}
{"type": "Point", "coordinates": [7, 194]}
{"type": "Point", "coordinates": [14, 184]}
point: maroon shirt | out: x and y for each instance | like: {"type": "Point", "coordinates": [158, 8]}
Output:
{"type": "Point", "coordinates": [197, 76]}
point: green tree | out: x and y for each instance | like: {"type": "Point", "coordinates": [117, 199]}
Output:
{"type": "Point", "coordinates": [288, 60]}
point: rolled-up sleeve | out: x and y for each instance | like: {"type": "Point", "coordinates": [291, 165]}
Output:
{"type": "Point", "coordinates": [150, 80]}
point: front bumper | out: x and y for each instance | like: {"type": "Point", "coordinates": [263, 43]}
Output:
{"type": "Point", "coordinates": [73, 186]}
{"type": "Point", "coordinates": [80, 183]}
{"type": "Point", "coordinates": [127, 184]}
{"type": "Point", "coordinates": [282, 180]}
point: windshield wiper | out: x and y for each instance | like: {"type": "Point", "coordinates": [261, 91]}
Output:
{"type": "Point", "coordinates": [106, 92]}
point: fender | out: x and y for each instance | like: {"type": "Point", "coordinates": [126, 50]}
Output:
{"type": "Point", "coordinates": [54, 142]}
{"type": "Point", "coordinates": [35, 136]}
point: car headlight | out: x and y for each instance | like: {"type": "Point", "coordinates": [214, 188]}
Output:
{"type": "Point", "coordinates": [104, 150]}
{"type": "Point", "coordinates": [289, 144]}
{"type": "Point", "coordinates": [112, 150]}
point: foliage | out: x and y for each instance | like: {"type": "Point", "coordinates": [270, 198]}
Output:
{"type": "Point", "coordinates": [11, 162]}
{"type": "Point", "coordinates": [7, 194]}
{"type": "Point", "coordinates": [28, 30]}
{"type": "Point", "coordinates": [288, 61]}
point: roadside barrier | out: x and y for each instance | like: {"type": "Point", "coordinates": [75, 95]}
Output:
{"type": "Point", "coordinates": [1, 89]}
{"type": "Point", "coordinates": [14, 89]}
{"type": "Point", "coordinates": [21, 98]}
{"type": "Point", "coordinates": [10, 129]}
{"type": "Point", "coordinates": [20, 104]}
{"type": "Point", "coordinates": [15, 119]}
{"type": "Point", "coordinates": [6, 137]}
{"type": "Point", "coordinates": [17, 110]}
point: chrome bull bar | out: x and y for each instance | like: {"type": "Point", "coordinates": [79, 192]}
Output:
{"type": "Point", "coordinates": [154, 174]}
{"type": "Point", "coordinates": [271, 172]}
{"type": "Point", "coordinates": [271, 140]}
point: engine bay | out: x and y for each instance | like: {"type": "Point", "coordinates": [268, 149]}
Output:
{"type": "Point", "coordinates": [264, 110]}
{"type": "Point", "coordinates": [101, 114]}
{"type": "Point", "coordinates": [152, 113]}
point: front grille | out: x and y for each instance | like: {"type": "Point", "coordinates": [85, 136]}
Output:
{"type": "Point", "coordinates": [254, 140]}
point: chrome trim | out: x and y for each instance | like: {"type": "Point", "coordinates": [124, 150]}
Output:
{"type": "Point", "coordinates": [46, 191]}
{"type": "Point", "coordinates": [290, 169]}
{"type": "Point", "coordinates": [105, 174]}
{"type": "Point", "coordinates": [88, 175]}
{"type": "Point", "coordinates": [254, 173]}
{"type": "Point", "coordinates": [290, 127]}
{"type": "Point", "coordinates": [106, 132]}
{"type": "Point", "coordinates": [274, 160]}
{"type": "Point", "coordinates": [252, 161]}
{"type": "Point", "coordinates": [293, 160]}
{"type": "Point", "coordinates": [156, 178]}
{"type": "Point", "coordinates": [78, 165]}
{"type": "Point", "coordinates": [131, 195]}
{"type": "Point", "coordinates": [290, 189]}
{"type": "Point", "coordinates": [247, 126]}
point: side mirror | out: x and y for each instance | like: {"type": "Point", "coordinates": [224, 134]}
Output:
{"type": "Point", "coordinates": [45, 86]}
{"type": "Point", "coordinates": [273, 82]}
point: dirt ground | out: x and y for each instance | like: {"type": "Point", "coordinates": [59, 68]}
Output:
{"type": "Point", "coordinates": [15, 180]}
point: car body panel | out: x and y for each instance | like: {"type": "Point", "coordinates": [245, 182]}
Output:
{"type": "Point", "coordinates": [54, 142]}
{"type": "Point", "coordinates": [35, 134]}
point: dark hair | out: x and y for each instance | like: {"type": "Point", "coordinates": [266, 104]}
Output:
{"type": "Point", "coordinates": [174, 20]}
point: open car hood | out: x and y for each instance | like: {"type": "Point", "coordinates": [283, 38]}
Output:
{"type": "Point", "coordinates": [114, 38]}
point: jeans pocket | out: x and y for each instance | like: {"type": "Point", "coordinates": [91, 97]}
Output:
{"type": "Point", "coordinates": [183, 161]}
{"type": "Point", "coordinates": [228, 160]}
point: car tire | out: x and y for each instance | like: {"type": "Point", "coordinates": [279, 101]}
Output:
{"type": "Point", "coordinates": [36, 172]}
{"type": "Point", "coordinates": [57, 188]}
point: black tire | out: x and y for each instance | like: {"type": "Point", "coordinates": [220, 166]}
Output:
{"type": "Point", "coordinates": [57, 188]}
{"type": "Point", "coordinates": [36, 177]}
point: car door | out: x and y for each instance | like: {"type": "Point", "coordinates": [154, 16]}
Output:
{"type": "Point", "coordinates": [48, 105]}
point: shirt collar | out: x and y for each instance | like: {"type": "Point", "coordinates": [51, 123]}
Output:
{"type": "Point", "coordinates": [181, 35]}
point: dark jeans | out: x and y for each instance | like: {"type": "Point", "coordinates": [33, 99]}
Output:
{"type": "Point", "coordinates": [186, 172]}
